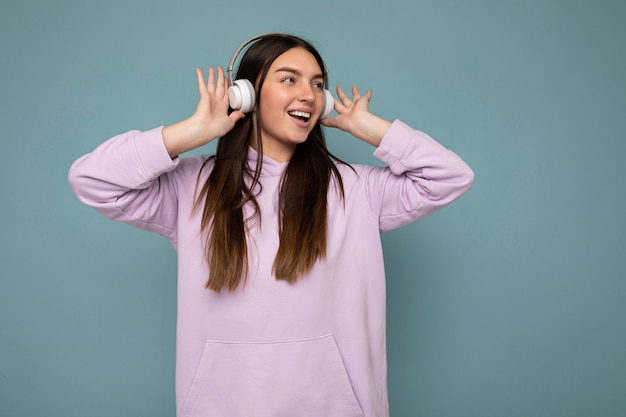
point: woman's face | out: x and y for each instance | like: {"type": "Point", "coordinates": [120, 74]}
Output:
{"type": "Point", "coordinates": [291, 101]}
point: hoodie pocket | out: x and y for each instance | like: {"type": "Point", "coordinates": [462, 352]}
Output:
{"type": "Point", "coordinates": [304, 378]}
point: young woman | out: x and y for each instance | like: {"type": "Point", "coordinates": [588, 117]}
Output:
{"type": "Point", "coordinates": [281, 285]}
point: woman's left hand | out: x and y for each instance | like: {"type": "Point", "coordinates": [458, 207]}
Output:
{"type": "Point", "coordinates": [355, 118]}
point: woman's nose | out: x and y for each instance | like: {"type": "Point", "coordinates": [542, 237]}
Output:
{"type": "Point", "coordinates": [306, 93]}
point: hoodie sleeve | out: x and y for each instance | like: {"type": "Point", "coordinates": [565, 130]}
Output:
{"type": "Point", "coordinates": [422, 177]}
{"type": "Point", "coordinates": [126, 180]}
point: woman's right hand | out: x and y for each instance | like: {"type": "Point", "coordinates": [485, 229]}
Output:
{"type": "Point", "coordinates": [210, 120]}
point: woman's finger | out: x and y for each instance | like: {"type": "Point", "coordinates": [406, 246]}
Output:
{"type": "Point", "coordinates": [356, 95]}
{"type": "Point", "coordinates": [220, 77]}
{"type": "Point", "coordinates": [201, 84]}
{"type": "Point", "coordinates": [211, 80]}
{"type": "Point", "coordinates": [342, 96]}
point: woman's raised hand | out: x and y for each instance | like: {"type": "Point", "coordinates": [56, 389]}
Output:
{"type": "Point", "coordinates": [210, 120]}
{"type": "Point", "coordinates": [354, 117]}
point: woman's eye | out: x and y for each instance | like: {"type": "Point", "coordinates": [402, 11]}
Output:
{"type": "Point", "coordinates": [288, 80]}
{"type": "Point", "coordinates": [318, 85]}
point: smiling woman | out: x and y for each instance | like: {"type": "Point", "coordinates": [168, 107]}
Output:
{"type": "Point", "coordinates": [291, 101]}
{"type": "Point", "coordinates": [281, 284]}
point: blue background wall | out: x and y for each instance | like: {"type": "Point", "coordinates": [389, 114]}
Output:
{"type": "Point", "coordinates": [510, 302]}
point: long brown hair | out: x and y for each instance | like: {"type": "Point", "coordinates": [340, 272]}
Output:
{"type": "Point", "coordinates": [304, 186]}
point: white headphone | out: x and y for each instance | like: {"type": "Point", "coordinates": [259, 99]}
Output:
{"type": "Point", "coordinates": [241, 95]}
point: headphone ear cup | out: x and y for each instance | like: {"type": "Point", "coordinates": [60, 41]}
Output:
{"type": "Point", "coordinates": [329, 104]}
{"type": "Point", "coordinates": [241, 96]}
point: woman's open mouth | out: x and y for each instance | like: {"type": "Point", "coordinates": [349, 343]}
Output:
{"type": "Point", "coordinates": [300, 115]}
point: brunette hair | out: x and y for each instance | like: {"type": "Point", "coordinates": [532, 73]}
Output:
{"type": "Point", "coordinates": [232, 184]}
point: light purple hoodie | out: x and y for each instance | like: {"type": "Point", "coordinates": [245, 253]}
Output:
{"type": "Point", "coordinates": [270, 348]}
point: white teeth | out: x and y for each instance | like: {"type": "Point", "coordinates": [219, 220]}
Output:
{"type": "Point", "coordinates": [300, 114]}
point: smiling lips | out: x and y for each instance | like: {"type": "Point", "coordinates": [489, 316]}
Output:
{"type": "Point", "coordinates": [302, 115]}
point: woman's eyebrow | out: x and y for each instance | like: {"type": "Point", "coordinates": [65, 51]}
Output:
{"type": "Point", "coordinates": [296, 72]}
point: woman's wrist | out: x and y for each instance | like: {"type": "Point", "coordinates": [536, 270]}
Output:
{"type": "Point", "coordinates": [373, 130]}
{"type": "Point", "coordinates": [173, 138]}
{"type": "Point", "coordinates": [182, 137]}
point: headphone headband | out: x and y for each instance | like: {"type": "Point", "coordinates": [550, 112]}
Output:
{"type": "Point", "coordinates": [231, 63]}
{"type": "Point", "coordinates": [233, 58]}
